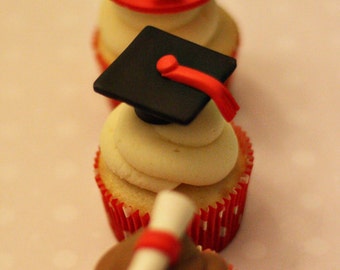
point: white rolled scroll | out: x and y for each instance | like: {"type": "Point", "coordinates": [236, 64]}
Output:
{"type": "Point", "coordinates": [171, 213]}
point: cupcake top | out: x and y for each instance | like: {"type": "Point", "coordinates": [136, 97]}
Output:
{"type": "Point", "coordinates": [190, 258]}
{"type": "Point", "coordinates": [196, 20]}
{"type": "Point", "coordinates": [169, 133]}
{"type": "Point", "coordinates": [157, 157]}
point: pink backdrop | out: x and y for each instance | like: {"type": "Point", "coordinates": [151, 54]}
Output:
{"type": "Point", "coordinates": [287, 83]}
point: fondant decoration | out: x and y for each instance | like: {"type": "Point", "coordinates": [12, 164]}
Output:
{"type": "Point", "coordinates": [133, 78]}
{"type": "Point", "coordinates": [160, 244]}
{"type": "Point", "coordinates": [160, 6]}
{"type": "Point", "coordinates": [169, 68]}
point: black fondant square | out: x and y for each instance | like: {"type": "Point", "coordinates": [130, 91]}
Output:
{"type": "Point", "coordinates": [134, 79]}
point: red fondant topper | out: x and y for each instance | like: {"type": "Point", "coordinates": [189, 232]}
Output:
{"type": "Point", "coordinates": [160, 6]}
{"type": "Point", "coordinates": [169, 68]}
{"type": "Point", "coordinates": [162, 241]}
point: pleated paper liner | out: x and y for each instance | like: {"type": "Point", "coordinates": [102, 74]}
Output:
{"type": "Point", "coordinates": [212, 228]}
{"type": "Point", "coordinates": [104, 64]}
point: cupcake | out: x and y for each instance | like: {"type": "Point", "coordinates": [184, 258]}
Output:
{"type": "Point", "coordinates": [191, 258]}
{"type": "Point", "coordinates": [173, 131]}
{"type": "Point", "coordinates": [163, 244]}
{"type": "Point", "coordinates": [200, 21]}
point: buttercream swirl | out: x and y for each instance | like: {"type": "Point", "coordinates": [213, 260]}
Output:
{"type": "Point", "coordinates": [197, 25]}
{"type": "Point", "coordinates": [157, 157]}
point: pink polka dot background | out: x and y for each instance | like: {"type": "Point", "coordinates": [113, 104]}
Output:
{"type": "Point", "coordinates": [287, 83]}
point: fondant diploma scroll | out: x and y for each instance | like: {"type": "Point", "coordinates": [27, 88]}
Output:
{"type": "Point", "coordinates": [160, 244]}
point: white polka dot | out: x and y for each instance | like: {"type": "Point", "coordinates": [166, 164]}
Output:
{"type": "Point", "coordinates": [255, 250]}
{"type": "Point", "coordinates": [299, 117]}
{"type": "Point", "coordinates": [305, 264]}
{"type": "Point", "coordinates": [36, 238]}
{"type": "Point", "coordinates": [7, 215]}
{"type": "Point", "coordinates": [68, 54]}
{"type": "Point", "coordinates": [65, 259]}
{"type": "Point", "coordinates": [333, 8]}
{"type": "Point", "coordinates": [294, 221]}
{"type": "Point", "coordinates": [13, 22]}
{"type": "Point", "coordinates": [6, 261]}
{"type": "Point", "coordinates": [9, 89]}
{"type": "Point", "coordinates": [286, 43]}
{"type": "Point", "coordinates": [9, 172]}
{"type": "Point", "coordinates": [68, 91]}
{"type": "Point", "coordinates": [67, 20]}
{"type": "Point", "coordinates": [11, 131]}
{"type": "Point", "coordinates": [65, 213]}
{"type": "Point", "coordinates": [66, 129]}
{"type": "Point", "coordinates": [316, 246]}
{"type": "Point", "coordinates": [311, 200]}
{"type": "Point", "coordinates": [283, 9]}
{"type": "Point", "coordinates": [96, 235]}
{"type": "Point", "coordinates": [290, 79]}
{"type": "Point", "coordinates": [65, 169]}
{"type": "Point", "coordinates": [304, 158]}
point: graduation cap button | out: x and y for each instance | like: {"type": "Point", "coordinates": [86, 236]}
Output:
{"type": "Point", "coordinates": [169, 68]}
{"type": "Point", "coordinates": [163, 90]}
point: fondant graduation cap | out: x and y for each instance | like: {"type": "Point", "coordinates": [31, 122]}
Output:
{"type": "Point", "coordinates": [160, 6]}
{"type": "Point", "coordinates": [168, 79]}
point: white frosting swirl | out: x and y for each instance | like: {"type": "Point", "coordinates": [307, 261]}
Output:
{"type": "Point", "coordinates": [119, 25]}
{"type": "Point", "coordinates": [195, 136]}
{"type": "Point", "coordinates": [162, 157]}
